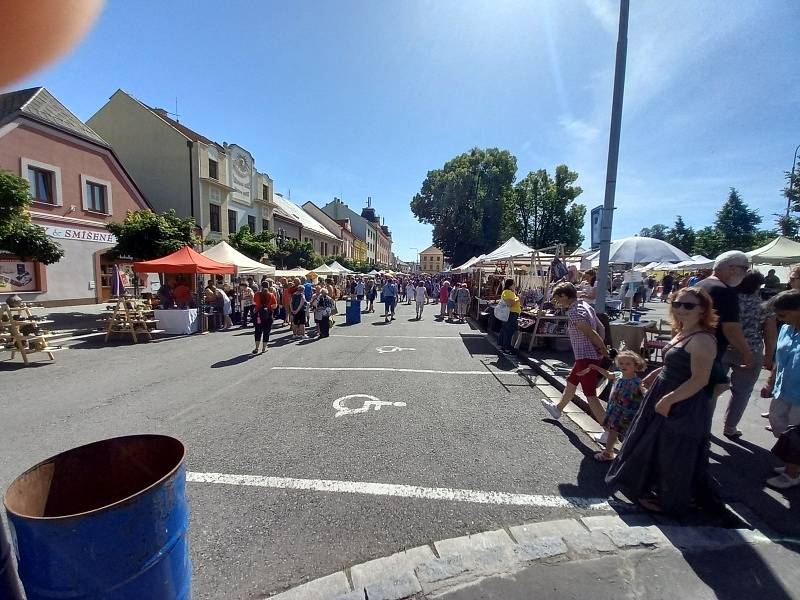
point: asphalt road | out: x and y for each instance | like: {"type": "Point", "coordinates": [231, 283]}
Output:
{"type": "Point", "coordinates": [471, 421]}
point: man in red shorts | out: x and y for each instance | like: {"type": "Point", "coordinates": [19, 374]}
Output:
{"type": "Point", "coordinates": [586, 337]}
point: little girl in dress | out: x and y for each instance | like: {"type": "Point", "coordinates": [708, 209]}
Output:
{"type": "Point", "coordinates": [627, 394]}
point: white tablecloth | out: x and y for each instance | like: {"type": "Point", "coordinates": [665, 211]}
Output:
{"type": "Point", "coordinates": [177, 322]}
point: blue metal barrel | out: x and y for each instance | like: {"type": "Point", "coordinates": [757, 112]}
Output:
{"type": "Point", "coordinates": [9, 586]}
{"type": "Point", "coordinates": [106, 520]}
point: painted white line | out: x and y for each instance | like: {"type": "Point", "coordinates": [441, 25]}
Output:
{"type": "Point", "coordinates": [394, 370]}
{"type": "Point", "coordinates": [406, 337]}
{"type": "Point", "coordinates": [400, 491]}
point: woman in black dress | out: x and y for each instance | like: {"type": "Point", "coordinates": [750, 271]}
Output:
{"type": "Point", "coordinates": [663, 462]}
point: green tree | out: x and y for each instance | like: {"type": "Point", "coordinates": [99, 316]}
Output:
{"type": "Point", "coordinates": [288, 254]}
{"type": "Point", "coordinates": [464, 201]}
{"type": "Point", "coordinates": [541, 210]}
{"type": "Point", "coordinates": [145, 235]}
{"type": "Point", "coordinates": [736, 223]}
{"type": "Point", "coordinates": [708, 242]}
{"type": "Point", "coordinates": [657, 232]}
{"type": "Point", "coordinates": [681, 236]}
{"type": "Point", "coordinates": [18, 234]}
{"type": "Point", "coordinates": [252, 245]}
{"type": "Point", "coordinates": [789, 223]}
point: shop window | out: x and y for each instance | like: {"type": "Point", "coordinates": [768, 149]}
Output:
{"type": "Point", "coordinates": [215, 218]}
{"type": "Point", "coordinates": [251, 223]}
{"type": "Point", "coordinates": [213, 169]}
{"type": "Point", "coordinates": [231, 221]}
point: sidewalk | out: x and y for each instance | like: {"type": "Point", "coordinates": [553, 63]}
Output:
{"type": "Point", "coordinates": [740, 465]}
{"type": "Point", "coordinates": [599, 557]}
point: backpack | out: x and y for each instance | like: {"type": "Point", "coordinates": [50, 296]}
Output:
{"type": "Point", "coordinates": [502, 311]}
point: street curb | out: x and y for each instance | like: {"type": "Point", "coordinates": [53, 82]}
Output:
{"type": "Point", "coordinates": [446, 565]}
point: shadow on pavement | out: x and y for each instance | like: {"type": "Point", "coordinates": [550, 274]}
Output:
{"type": "Point", "coordinates": [236, 360]}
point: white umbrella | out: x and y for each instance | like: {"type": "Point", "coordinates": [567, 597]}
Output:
{"type": "Point", "coordinates": [634, 250]}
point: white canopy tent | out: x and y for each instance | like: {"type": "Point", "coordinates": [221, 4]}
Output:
{"type": "Point", "coordinates": [292, 272]}
{"type": "Point", "coordinates": [225, 253]}
{"type": "Point", "coordinates": [512, 249]}
{"type": "Point", "coordinates": [374, 272]}
{"type": "Point", "coordinates": [468, 266]}
{"type": "Point", "coordinates": [337, 269]}
{"type": "Point", "coordinates": [780, 251]}
{"type": "Point", "coordinates": [324, 269]}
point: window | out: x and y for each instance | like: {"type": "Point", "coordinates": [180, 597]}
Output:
{"type": "Point", "coordinates": [281, 233]}
{"type": "Point", "coordinates": [215, 226]}
{"type": "Point", "coordinates": [213, 169]}
{"type": "Point", "coordinates": [251, 223]}
{"type": "Point", "coordinates": [41, 183]}
{"type": "Point", "coordinates": [264, 225]}
{"type": "Point", "coordinates": [265, 191]}
{"type": "Point", "coordinates": [231, 221]}
{"type": "Point", "coordinates": [95, 197]}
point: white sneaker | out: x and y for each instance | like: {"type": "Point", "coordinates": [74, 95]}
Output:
{"type": "Point", "coordinates": [601, 438]}
{"type": "Point", "coordinates": [783, 481]}
{"type": "Point", "coordinates": [553, 409]}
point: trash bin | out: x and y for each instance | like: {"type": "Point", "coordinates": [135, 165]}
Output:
{"type": "Point", "coordinates": [9, 586]}
{"type": "Point", "coordinates": [105, 520]}
{"type": "Point", "coordinates": [353, 311]}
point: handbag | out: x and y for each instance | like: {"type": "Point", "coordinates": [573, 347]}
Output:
{"type": "Point", "coordinates": [502, 311]}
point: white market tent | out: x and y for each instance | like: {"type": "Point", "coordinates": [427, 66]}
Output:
{"type": "Point", "coordinates": [324, 269]}
{"type": "Point", "coordinates": [225, 253]}
{"type": "Point", "coordinates": [374, 272]}
{"type": "Point", "coordinates": [467, 266]}
{"type": "Point", "coordinates": [292, 272]}
{"type": "Point", "coordinates": [337, 269]}
{"type": "Point", "coordinates": [780, 251]}
{"type": "Point", "coordinates": [512, 249]}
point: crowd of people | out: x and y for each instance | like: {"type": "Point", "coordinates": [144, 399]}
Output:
{"type": "Point", "coordinates": [724, 335]}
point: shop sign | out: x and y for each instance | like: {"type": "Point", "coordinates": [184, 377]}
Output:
{"type": "Point", "coordinates": [17, 276]}
{"type": "Point", "coordinates": [82, 235]}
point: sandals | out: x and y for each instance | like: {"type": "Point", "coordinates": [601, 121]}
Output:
{"type": "Point", "coordinates": [603, 457]}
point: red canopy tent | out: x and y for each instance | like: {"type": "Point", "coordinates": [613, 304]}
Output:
{"type": "Point", "coordinates": [184, 260]}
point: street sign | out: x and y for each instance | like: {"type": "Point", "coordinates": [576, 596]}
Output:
{"type": "Point", "coordinates": [596, 220]}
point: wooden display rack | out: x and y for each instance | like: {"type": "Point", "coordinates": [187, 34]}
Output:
{"type": "Point", "coordinates": [131, 316]}
{"type": "Point", "coordinates": [12, 338]}
{"type": "Point", "coordinates": [541, 317]}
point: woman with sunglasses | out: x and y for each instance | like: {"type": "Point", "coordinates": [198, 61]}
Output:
{"type": "Point", "coordinates": [663, 462]}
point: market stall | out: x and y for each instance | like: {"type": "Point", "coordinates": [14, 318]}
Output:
{"type": "Point", "coordinates": [187, 262]}
{"type": "Point", "coordinates": [227, 254]}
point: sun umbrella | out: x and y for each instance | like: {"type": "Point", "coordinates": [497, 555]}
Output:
{"type": "Point", "coordinates": [634, 250]}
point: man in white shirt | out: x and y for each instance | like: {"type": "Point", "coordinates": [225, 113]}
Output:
{"type": "Point", "coordinates": [421, 297]}
{"type": "Point", "coordinates": [410, 290]}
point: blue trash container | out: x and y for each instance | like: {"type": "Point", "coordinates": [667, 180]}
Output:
{"type": "Point", "coordinates": [9, 586]}
{"type": "Point", "coordinates": [105, 520]}
{"type": "Point", "coordinates": [353, 311]}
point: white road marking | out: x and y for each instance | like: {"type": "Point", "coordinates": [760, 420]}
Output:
{"type": "Point", "coordinates": [406, 337]}
{"type": "Point", "coordinates": [385, 349]}
{"type": "Point", "coordinates": [400, 491]}
{"type": "Point", "coordinates": [370, 402]}
{"type": "Point", "coordinates": [395, 370]}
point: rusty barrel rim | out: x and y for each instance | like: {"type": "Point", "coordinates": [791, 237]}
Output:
{"type": "Point", "coordinates": [122, 501]}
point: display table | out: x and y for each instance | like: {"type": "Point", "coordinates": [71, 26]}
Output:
{"type": "Point", "coordinates": [176, 321]}
{"type": "Point", "coordinates": [631, 333]}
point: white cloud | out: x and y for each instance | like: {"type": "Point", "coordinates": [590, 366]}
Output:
{"type": "Point", "coordinates": [605, 11]}
{"type": "Point", "coordinates": [579, 129]}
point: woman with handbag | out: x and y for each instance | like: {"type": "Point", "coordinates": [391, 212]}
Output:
{"type": "Point", "coordinates": [322, 305]}
{"type": "Point", "coordinates": [509, 296]}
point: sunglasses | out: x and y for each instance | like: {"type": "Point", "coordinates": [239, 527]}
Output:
{"type": "Point", "coordinates": [686, 305]}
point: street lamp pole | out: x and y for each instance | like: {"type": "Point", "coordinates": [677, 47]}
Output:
{"type": "Point", "coordinates": [791, 183]}
{"type": "Point", "coordinates": [613, 156]}
{"type": "Point", "coordinates": [416, 257]}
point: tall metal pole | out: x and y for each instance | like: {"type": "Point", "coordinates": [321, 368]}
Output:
{"type": "Point", "coordinates": [613, 156]}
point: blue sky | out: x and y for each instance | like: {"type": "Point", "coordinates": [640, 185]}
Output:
{"type": "Point", "coordinates": [362, 98]}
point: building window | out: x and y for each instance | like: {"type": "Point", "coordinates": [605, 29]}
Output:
{"type": "Point", "coordinates": [213, 169]}
{"type": "Point", "coordinates": [95, 197]}
{"type": "Point", "coordinates": [251, 223]}
{"type": "Point", "coordinates": [41, 183]}
{"type": "Point", "coordinates": [215, 219]}
{"type": "Point", "coordinates": [281, 233]}
{"type": "Point", "coordinates": [231, 221]}
{"type": "Point", "coordinates": [265, 191]}
{"type": "Point", "coordinates": [264, 225]}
